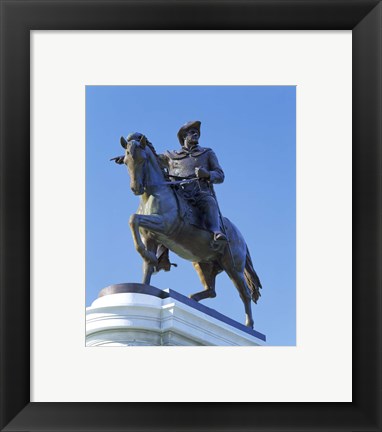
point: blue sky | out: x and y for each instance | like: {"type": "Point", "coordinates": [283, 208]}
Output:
{"type": "Point", "coordinates": [252, 130]}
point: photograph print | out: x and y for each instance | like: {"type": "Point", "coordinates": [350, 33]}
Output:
{"type": "Point", "coordinates": [191, 216]}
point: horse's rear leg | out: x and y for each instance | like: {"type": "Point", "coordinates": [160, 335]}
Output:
{"type": "Point", "coordinates": [148, 267]}
{"type": "Point", "coordinates": [207, 274]}
{"type": "Point", "coordinates": [244, 292]}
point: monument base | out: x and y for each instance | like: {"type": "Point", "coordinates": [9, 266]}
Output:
{"type": "Point", "coordinates": [142, 315]}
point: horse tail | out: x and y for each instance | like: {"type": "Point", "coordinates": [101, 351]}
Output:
{"type": "Point", "coordinates": [251, 278]}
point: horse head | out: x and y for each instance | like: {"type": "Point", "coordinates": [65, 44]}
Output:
{"type": "Point", "coordinates": [135, 159]}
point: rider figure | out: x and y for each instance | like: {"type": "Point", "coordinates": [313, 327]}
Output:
{"type": "Point", "coordinates": [194, 161]}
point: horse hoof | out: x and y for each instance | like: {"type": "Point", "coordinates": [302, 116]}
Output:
{"type": "Point", "coordinates": [249, 324]}
{"type": "Point", "coordinates": [203, 295]}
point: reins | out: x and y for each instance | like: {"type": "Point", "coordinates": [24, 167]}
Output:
{"type": "Point", "coordinates": [176, 182]}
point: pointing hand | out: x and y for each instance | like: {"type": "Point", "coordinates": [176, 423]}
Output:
{"type": "Point", "coordinates": [118, 160]}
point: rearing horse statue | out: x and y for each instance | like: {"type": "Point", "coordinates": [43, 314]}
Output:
{"type": "Point", "coordinates": [160, 221]}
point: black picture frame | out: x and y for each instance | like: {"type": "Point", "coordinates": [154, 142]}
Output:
{"type": "Point", "coordinates": [18, 18]}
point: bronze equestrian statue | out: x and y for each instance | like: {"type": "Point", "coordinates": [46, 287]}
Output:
{"type": "Point", "coordinates": [178, 211]}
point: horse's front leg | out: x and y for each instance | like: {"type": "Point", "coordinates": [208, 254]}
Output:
{"type": "Point", "coordinates": [152, 223]}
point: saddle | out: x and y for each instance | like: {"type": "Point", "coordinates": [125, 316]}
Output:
{"type": "Point", "coordinates": [192, 215]}
{"type": "Point", "coordinates": [188, 212]}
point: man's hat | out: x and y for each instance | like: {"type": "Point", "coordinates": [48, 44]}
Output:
{"type": "Point", "coordinates": [189, 125]}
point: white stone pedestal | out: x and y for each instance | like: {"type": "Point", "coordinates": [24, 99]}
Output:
{"type": "Point", "coordinates": [137, 314]}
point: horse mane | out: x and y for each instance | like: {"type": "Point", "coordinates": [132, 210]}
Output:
{"type": "Point", "coordinates": [158, 158]}
{"type": "Point", "coordinates": [152, 148]}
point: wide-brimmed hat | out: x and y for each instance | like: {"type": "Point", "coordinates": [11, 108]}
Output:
{"type": "Point", "coordinates": [189, 125]}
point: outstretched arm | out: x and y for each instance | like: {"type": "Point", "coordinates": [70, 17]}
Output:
{"type": "Point", "coordinates": [118, 159]}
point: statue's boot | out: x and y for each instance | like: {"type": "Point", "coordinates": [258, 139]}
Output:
{"type": "Point", "coordinates": [212, 220]}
